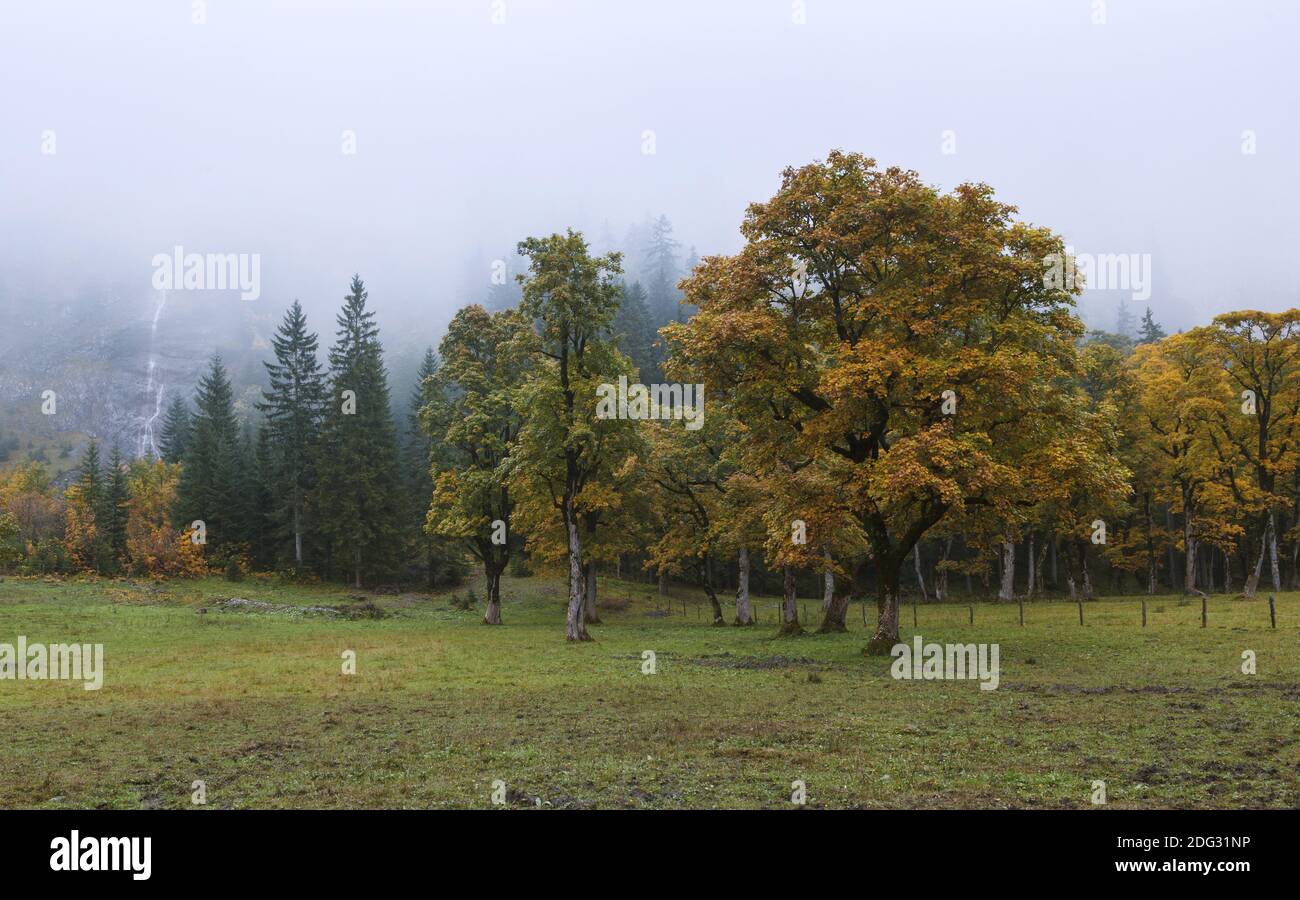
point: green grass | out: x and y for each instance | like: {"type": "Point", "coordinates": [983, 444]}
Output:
{"type": "Point", "coordinates": [255, 705]}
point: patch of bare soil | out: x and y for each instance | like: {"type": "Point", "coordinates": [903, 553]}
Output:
{"type": "Point", "coordinates": [366, 610]}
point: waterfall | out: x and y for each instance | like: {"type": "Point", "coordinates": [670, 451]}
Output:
{"type": "Point", "coordinates": [148, 441]}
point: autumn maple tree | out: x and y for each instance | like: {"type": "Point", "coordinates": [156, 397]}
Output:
{"type": "Point", "coordinates": [1255, 433]}
{"type": "Point", "coordinates": [862, 296]}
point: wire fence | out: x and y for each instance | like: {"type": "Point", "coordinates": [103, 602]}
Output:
{"type": "Point", "coordinates": [1143, 610]}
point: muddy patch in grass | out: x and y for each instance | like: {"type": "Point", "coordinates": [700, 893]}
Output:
{"type": "Point", "coordinates": [365, 610]}
{"type": "Point", "coordinates": [727, 661]}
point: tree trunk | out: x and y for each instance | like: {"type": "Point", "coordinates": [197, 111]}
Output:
{"type": "Point", "coordinates": [1008, 589]}
{"type": "Point", "coordinates": [828, 592]}
{"type": "Point", "coordinates": [1189, 540]}
{"type": "Point", "coordinates": [1295, 565]}
{"type": "Point", "coordinates": [920, 581]}
{"type": "Point", "coordinates": [575, 629]}
{"type": "Point", "coordinates": [836, 606]}
{"type": "Point", "coordinates": [1085, 570]}
{"type": "Point", "coordinates": [356, 566]}
{"type": "Point", "coordinates": [790, 606]}
{"type": "Point", "coordinates": [836, 613]}
{"type": "Point", "coordinates": [663, 583]}
{"type": "Point", "coordinates": [706, 566]}
{"type": "Point", "coordinates": [1041, 568]}
{"type": "Point", "coordinates": [886, 636]}
{"type": "Point", "coordinates": [297, 531]}
{"type": "Point", "coordinates": [941, 574]}
{"type": "Point", "coordinates": [1056, 580]}
{"type": "Point", "coordinates": [1069, 573]}
{"type": "Point", "coordinates": [1173, 568]}
{"type": "Point", "coordinates": [1252, 578]}
{"type": "Point", "coordinates": [743, 614]}
{"type": "Point", "coordinates": [1272, 551]}
{"type": "Point", "coordinates": [493, 614]}
{"type": "Point", "coordinates": [1029, 561]}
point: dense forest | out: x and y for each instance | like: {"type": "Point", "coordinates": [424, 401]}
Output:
{"type": "Point", "coordinates": [894, 397]}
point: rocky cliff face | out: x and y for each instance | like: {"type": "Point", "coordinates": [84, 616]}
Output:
{"type": "Point", "coordinates": [115, 364]}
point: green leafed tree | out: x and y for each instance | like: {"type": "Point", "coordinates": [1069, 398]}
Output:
{"type": "Point", "coordinates": [468, 412]}
{"type": "Point", "coordinates": [442, 558]}
{"type": "Point", "coordinates": [571, 297]}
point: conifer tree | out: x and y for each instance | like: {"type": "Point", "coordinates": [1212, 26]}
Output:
{"type": "Point", "coordinates": [90, 477]}
{"type": "Point", "coordinates": [1149, 331]}
{"type": "Point", "coordinates": [359, 501]}
{"type": "Point", "coordinates": [175, 432]}
{"type": "Point", "coordinates": [293, 408]}
{"type": "Point", "coordinates": [86, 500]}
{"type": "Point", "coordinates": [661, 262]}
{"type": "Point", "coordinates": [111, 516]}
{"type": "Point", "coordinates": [636, 333]}
{"type": "Point", "coordinates": [207, 491]}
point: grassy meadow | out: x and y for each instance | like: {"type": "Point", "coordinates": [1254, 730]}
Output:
{"type": "Point", "coordinates": [253, 702]}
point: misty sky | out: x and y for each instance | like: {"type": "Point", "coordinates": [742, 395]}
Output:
{"type": "Point", "coordinates": [1125, 137]}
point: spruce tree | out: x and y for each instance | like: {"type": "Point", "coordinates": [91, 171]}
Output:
{"type": "Point", "coordinates": [249, 518]}
{"type": "Point", "coordinates": [1149, 331]}
{"type": "Point", "coordinates": [636, 333]}
{"type": "Point", "coordinates": [293, 408]}
{"type": "Point", "coordinates": [358, 490]}
{"type": "Point", "coordinates": [207, 489]}
{"type": "Point", "coordinates": [90, 478]}
{"type": "Point", "coordinates": [111, 516]}
{"type": "Point", "coordinates": [92, 492]}
{"type": "Point", "coordinates": [175, 432]}
{"type": "Point", "coordinates": [1124, 320]}
{"type": "Point", "coordinates": [661, 263]}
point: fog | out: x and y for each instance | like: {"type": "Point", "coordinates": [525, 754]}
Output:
{"type": "Point", "coordinates": [1125, 136]}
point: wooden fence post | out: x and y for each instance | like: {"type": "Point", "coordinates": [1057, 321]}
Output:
{"type": "Point", "coordinates": [1144, 614]}
{"type": "Point", "coordinates": [1272, 616]}
{"type": "Point", "coordinates": [1080, 602]}
{"type": "Point", "coordinates": [1203, 611]}
{"type": "Point", "coordinates": [1022, 611]}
